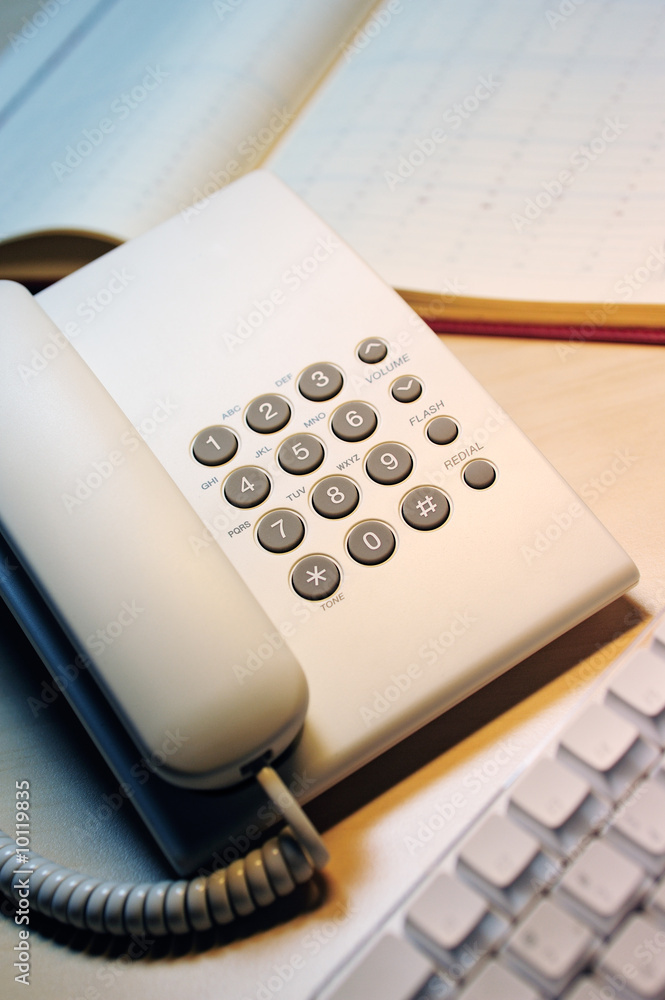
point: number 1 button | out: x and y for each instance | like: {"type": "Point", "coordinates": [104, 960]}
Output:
{"type": "Point", "coordinates": [215, 445]}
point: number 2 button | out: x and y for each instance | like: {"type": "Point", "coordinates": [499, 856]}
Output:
{"type": "Point", "coordinates": [268, 414]}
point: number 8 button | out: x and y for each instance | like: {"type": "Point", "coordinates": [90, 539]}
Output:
{"type": "Point", "coordinates": [354, 421]}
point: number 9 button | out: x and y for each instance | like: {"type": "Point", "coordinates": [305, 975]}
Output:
{"type": "Point", "coordinates": [388, 464]}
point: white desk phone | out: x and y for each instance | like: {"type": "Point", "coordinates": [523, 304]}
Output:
{"type": "Point", "coordinates": [273, 515]}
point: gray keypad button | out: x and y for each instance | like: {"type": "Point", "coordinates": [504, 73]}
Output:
{"type": "Point", "coordinates": [215, 445]}
{"type": "Point", "coordinates": [280, 531]}
{"type": "Point", "coordinates": [315, 578]}
{"type": "Point", "coordinates": [247, 487]}
{"type": "Point", "coordinates": [372, 350]}
{"type": "Point", "coordinates": [388, 464]}
{"type": "Point", "coordinates": [268, 414]}
{"type": "Point", "coordinates": [335, 496]}
{"type": "Point", "coordinates": [442, 430]}
{"type": "Point", "coordinates": [354, 421]}
{"type": "Point", "coordinates": [425, 508]}
{"type": "Point", "coordinates": [320, 382]}
{"type": "Point", "coordinates": [406, 389]}
{"type": "Point", "coordinates": [371, 542]}
{"type": "Point", "coordinates": [300, 454]}
{"type": "Point", "coordinates": [479, 474]}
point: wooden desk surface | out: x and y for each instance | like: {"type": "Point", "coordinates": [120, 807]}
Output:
{"type": "Point", "coordinates": [597, 411]}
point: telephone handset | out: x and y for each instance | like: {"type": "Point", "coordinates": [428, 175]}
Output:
{"type": "Point", "coordinates": [238, 460]}
{"type": "Point", "coordinates": [123, 566]}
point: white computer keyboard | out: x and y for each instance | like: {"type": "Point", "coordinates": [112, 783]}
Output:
{"type": "Point", "coordinates": [558, 888]}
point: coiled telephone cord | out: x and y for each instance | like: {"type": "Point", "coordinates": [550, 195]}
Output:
{"type": "Point", "coordinates": [171, 907]}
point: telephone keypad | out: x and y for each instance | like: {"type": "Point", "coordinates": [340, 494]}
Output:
{"type": "Point", "coordinates": [370, 542]}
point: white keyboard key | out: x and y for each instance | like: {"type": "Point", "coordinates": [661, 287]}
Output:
{"type": "Point", "coordinates": [505, 862]}
{"type": "Point", "coordinates": [606, 749]}
{"type": "Point", "coordinates": [497, 983]}
{"type": "Point", "coordinates": [637, 955]}
{"type": "Point", "coordinates": [638, 692]}
{"type": "Point", "coordinates": [455, 923]}
{"type": "Point", "coordinates": [657, 902]}
{"type": "Point", "coordinates": [556, 804]}
{"type": "Point", "coordinates": [602, 885]}
{"type": "Point", "coordinates": [639, 827]}
{"type": "Point", "coordinates": [392, 970]}
{"type": "Point", "coordinates": [551, 947]}
{"type": "Point", "coordinates": [589, 989]}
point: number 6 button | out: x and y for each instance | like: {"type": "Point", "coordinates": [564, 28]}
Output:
{"type": "Point", "coordinates": [354, 421]}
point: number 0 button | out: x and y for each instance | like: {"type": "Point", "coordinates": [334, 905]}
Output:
{"type": "Point", "coordinates": [315, 578]}
{"type": "Point", "coordinates": [247, 487]}
{"type": "Point", "coordinates": [268, 414]}
{"type": "Point", "coordinates": [371, 542]}
{"type": "Point", "coordinates": [354, 421]}
{"type": "Point", "coordinates": [215, 445]}
{"type": "Point", "coordinates": [280, 531]}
